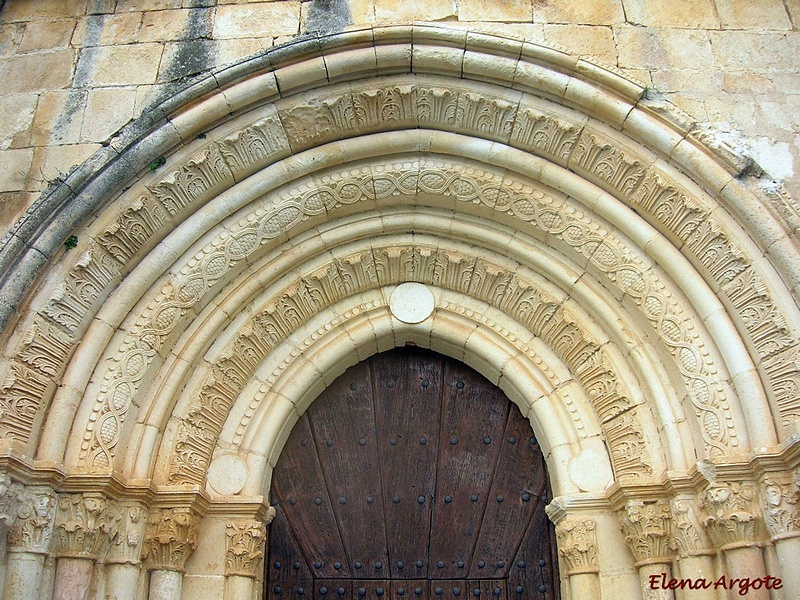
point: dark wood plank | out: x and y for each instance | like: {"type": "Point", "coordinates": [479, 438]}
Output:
{"type": "Point", "coordinates": [473, 411]}
{"type": "Point", "coordinates": [534, 571]}
{"type": "Point", "coordinates": [407, 408]}
{"type": "Point", "coordinates": [286, 571]}
{"type": "Point", "coordinates": [519, 480]}
{"type": "Point", "coordinates": [343, 422]}
{"type": "Point", "coordinates": [299, 486]}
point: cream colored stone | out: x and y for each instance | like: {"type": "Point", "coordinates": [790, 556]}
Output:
{"type": "Point", "coordinates": [281, 17]}
{"type": "Point", "coordinates": [755, 14]}
{"type": "Point", "coordinates": [663, 48]}
{"type": "Point", "coordinates": [47, 35]}
{"type": "Point", "coordinates": [148, 5]}
{"type": "Point", "coordinates": [591, 12]}
{"type": "Point", "coordinates": [25, 10]}
{"type": "Point", "coordinates": [122, 65]}
{"type": "Point", "coordinates": [595, 43]}
{"type": "Point", "coordinates": [406, 11]}
{"type": "Point", "coordinates": [108, 30]}
{"type": "Point", "coordinates": [54, 162]}
{"type": "Point", "coordinates": [234, 49]}
{"type": "Point", "coordinates": [227, 474]}
{"type": "Point", "coordinates": [487, 10]}
{"type": "Point", "coordinates": [17, 112]}
{"type": "Point", "coordinates": [15, 165]}
{"type": "Point", "coordinates": [106, 111]}
{"type": "Point", "coordinates": [746, 50]}
{"type": "Point", "coordinates": [698, 14]}
{"type": "Point", "coordinates": [13, 205]}
{"type": "Point", "coordinates": [45, 71]}
{"type": "Point", "coordinates": [165, 25]}
{"type": "Point", "coordinates": [411, 303]}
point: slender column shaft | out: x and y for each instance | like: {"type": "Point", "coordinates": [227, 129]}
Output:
{"type": "Point", "coordinates": [660, 572]}
{"type": "Point", "coordinates": [165, 585]}
{"type": "Point", "coordinates": [73, 578]}
{"type": "Point", "coordinates": [584, 585]}
{"type": "Point", "coordinates": [237, 587]}
{"type": "Point", "coordinates": [746, 563]}
{"type": "Point", "coordinates": [788, 551]}
{"type": "Point", "coordinates": [23, 576]}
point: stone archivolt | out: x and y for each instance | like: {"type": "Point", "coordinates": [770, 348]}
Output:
{"type": "Point", "coordinates": [523, 157]}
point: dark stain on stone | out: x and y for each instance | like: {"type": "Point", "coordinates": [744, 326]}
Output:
{"type": "Point", "coordinates": [325, 16]}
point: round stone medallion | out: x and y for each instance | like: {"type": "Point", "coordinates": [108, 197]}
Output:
{"type": "Point", "coordinates": [227, 475]}
{"type": "Point", "coordinates": [411, 303]}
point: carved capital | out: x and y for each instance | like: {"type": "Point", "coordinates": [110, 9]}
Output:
{"type": "Point", "coordinates": [170, 538]}
{"type": "Point", "coordinates": [780, 495]}
{"type": "Point", "coordinates": [245, 547]}
{"type": "Point", "coordinates": [8, 505]}
{"type": "Point", "coordinates": [33, 510]}
{"type": "Point", "coordinates": [648, 530]}
{"type": "Point", "coordinates": [577, 545]}
{"type": "Point", "coordinates": [127, 546]}
{"type": "Point", "coordinates": [733, 514]}
{"type": "Point", "coordinates": [689, 533]}
{"type": "Point", "coordinates": [85, 524]}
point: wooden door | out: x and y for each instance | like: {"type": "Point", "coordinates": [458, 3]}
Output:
{"type": "Point", "coordinates": [411, 477]}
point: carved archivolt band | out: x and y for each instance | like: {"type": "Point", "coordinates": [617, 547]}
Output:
{"type": "Point", "coordinates": [266, 149]}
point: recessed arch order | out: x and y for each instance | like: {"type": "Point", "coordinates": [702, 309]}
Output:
{"type": "Point", "coordinates": [238, 246]}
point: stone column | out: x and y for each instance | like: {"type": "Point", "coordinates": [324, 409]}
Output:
{"type": "Point", "coordinates": [85, 525]}
{"type": "Point", "coordinates": [29, 539]}
{"type": "Point", "coordinates": [243, 557]}
{"type": "Point", "coordinates": [647, 528]}
{"type": "Point", "coordinates": [123, 563]}
{"type": "Point", "coordinates": [782, 516]}
{"type": "Point", "coordinates": [170, 538]}
{"type": "Point", "coordinates": [577, 547]}
{"type": "Point", "coordinates": [695, 556]}
{"type": "Point", "coordinates": [734, 525]}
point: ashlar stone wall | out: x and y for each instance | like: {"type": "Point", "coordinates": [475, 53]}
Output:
{"type": "Point", "coordinates": [72, 72]}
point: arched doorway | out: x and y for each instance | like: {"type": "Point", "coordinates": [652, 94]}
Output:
{"type": "Point", "coordinates": [411, 475]}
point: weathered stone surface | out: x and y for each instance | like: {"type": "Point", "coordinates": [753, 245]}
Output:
{"type": "Point", "coordinates": [17, 112]}
{"type": "Point", "coordinates": [36, 72]}
{"type": "Point", "coordinates": [746, 50]}
{"type": "Point", "coordinates": [110, 110]}
{"type": "Point", "coordinates": [46, 35]}
{"type": "Point", "coordinates": [122, 65]}
{"type": "Point", "coordinates": [591, 12]}
{"type": "Point", "coordinates": [663, 48]}
{"type": "Point", "coordinates": [594, 43]}
{"type": "Point", "coordinates": [391, 11]}
{"type": "Point", "coordinates": [281, 17]}
{"type": "Point", "coordinates": [745, 14]}
{"type": "Point", "coordinates": [59, 115]}
{"type": "Point", "coordinates": [678, 13]}
{"type": "Point", "coordinates": [487, 10]}
{"type": "Point", "coordinates": [14, 165]}
{"type": "Point", "coordinates": [25, 10]}
{"type": "Point", "coordinates": [107, 30]}
{"type": "Point", "coordinates": [13, 204]}
{"type": "Point", "coordinates": [54, 162]}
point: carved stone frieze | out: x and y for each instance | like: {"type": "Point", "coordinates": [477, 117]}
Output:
{"type": "Point", "coordinates": [678, 212]}
{"type": "Point", "coordinates": [606, 162]}
{"type": "Point", "coordinates": [135, 227]}
{"type": "Point", "coordinates": [170, 538]}
{"type": "Point", "coordinates": [689, 533]}
{"type": "Point", "coordinates": [85, 525]}
{"type": "Point", "coordinates": [629, 452]}
{"type": "Point", "coordinates": [780, 496]}
{"type": "Point", "coordinates": [647, 527]}
{"type": "Point", "coordinates": [245, 547]}
{"type": "Point", "coordinates": [8, 501]}
{"type": "Point", "coordinates": [21, 395]}
{"type": "Point", "coordinates": [34, 510]}
{"type": "Point", "coordinates": [733, 513]}
{"type": "Point", "coordinates": [783, 370]}
{"type": "Point", "coordinates": [577, 545]}
{"type": "Point", "coordinates": [545, 135]}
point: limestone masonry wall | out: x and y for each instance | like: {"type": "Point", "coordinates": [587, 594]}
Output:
{"type": "Point", "coordinates": [72, 72]}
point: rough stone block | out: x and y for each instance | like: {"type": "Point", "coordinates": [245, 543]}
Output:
{"type": "Point", "coordinates": [406, 11]}
{"type": "Point", "coordinates": [588, 12]}
{"type": "Point", "coordinates": [107, 30]}
{"type": "Point", "coordinates": [676, 13]}
{"type": "Point", "coordinates": [12, 205]}
{"type": "Point", "coordinates": [106, 111]}
{"type": "Point", "coordinates": [487, 10]}
{"type": "Point", "coordinates": [254, 20]}
{"type": "Point", "coordinates": [36, 72]}
{"type": "Point", "coordinates": [169, 25]}
{"type": "Point", "coordinates": [54, 162]}
{"type": "Point", "coordinates": [58, 117]}
{"type": "Point", "coordinates": [756, 14]}
{"type": "Point", "coordinates": [641, 48]}
{"type": "Point", "coordinates": [235, 49]}
{"type": "Point", "coordinates": [27, 10]}
{"type": "Point", "coordinates": [122, 65]}
{"type": "Point", "coordinates": [17, 112]}
{"type": "Point", "coordinates": [15, 166]}
{"type": "Point", "coordinates": [592, 42]}
{"type": "Point", "coordinates": [754, 51]}
{"type": "Point", "coordinates": [144, 5]}
{"type": "Point", "coordinates": [47, 35]}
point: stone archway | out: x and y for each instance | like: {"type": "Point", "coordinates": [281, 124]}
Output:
{"type": "Point", "coordinates": [237, 250]}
